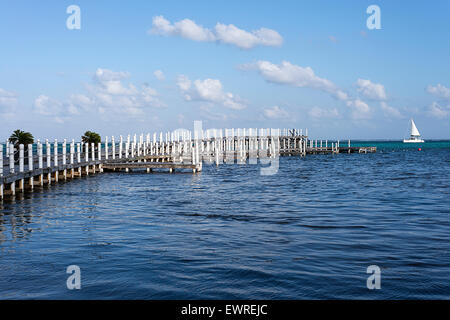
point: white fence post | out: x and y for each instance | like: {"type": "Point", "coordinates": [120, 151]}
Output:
{"type": "Point", "coordinates": [93, 151]}
{"type": "Point", "coordinates": [72, 151]}
{"type": "Point", "coordinates": [30, 165]}
{"type": "Point", "coordinates": [21, 157]}
{"type": "Point", "coordinates": [106, 148]}
{"type": "Point", "coordinates": [39, 151]}
{"type": "Point", "coordinates": [40, 162]}
{"type": "Point", "coordinates": [64, 158]}
{"type": "Point", "coordinates": [11, 167]}
{"type": "Point", "coordinates": [48, 152]}
{"type": "Point", "coordinates": [78, 152]}
{"type": "Point", "coordinates": [113, 146]}
{"type": "Point", "coordinates": [64, 152]}
{"type": "Point", "coordinates": [30, 157]}
{"type": "Point", "coordinates": [120, 147]}
{"type": "Point", "coordinates": [11, 158]}
{"type": "Point", "coordinates": [55, 153]}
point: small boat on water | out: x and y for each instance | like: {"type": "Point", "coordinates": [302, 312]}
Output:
{"type": "Point", "coordinates": [414, 136]}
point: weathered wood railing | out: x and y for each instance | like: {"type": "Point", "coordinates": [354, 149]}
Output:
{"type": "Point", "coordinates": [24, 167]}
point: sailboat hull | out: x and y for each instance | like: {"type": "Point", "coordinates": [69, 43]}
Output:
{"type": "Point", "coordinates": [413, 141]}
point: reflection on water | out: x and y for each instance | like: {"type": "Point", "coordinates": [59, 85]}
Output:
{"type": "Point", "coordinates": [309, 231]}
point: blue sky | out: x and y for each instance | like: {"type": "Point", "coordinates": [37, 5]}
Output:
{"type": "Point", "coordinates": [286, 64]}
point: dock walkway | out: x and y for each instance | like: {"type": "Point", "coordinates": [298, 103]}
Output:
{"type": "Point", "coordinates": [26, 167]}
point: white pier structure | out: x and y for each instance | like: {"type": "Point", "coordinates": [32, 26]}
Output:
{"type": "Point", "coordinates": [22, 168]}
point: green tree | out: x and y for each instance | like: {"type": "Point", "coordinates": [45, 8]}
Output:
{"type": "Point", "coordinates": [91, 137]}
{"type": "Point", "coordinates": [19, 137]}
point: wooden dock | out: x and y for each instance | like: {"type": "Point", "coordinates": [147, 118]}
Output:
{"type": "Point", "coordinates": [24, 168]}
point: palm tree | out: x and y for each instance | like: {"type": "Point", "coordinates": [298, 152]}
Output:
{"type": "Point", "coordinates": [19, 137]}
{"type": "Point", "coordinates": [91, 137]}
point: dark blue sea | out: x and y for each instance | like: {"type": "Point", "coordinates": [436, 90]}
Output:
{"type": "Point", "coordinates": [308, 232]}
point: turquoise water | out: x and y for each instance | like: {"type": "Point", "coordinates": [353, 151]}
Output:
{"type": "Point", "coordinates": [400, 146]}
{"type": "Point", "coordinates": [308, 232]}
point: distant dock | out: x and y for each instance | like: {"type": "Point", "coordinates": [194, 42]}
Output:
{"type": "Point", "coordinates": [24, 168]}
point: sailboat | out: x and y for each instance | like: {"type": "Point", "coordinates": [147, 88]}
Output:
{"type": "Point", "coordinates": [414, 136]}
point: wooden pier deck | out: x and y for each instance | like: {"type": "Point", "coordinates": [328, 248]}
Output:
{"type": "Point", "coordinates": [26, 167]}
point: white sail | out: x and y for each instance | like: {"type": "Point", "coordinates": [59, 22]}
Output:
{"type": "Point", "coordinates": [414, 131]}
{"type": "Point", "coordinates": [415, 135]}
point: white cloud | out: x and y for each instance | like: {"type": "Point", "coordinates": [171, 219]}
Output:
{"type": "Point", "coordinates": [8, 101]}
{"type": "Point", "coordinates": [159, 75]}
{"type": "Point", "coordinates": [371, 90]}
{"type": "Point", "coordinates": [437, 111]}
{"type": "Point", "coordinates": [211, 115]}
{"type": "Point", "coordinates": [111, 82]}
{"type": "Point", "coordinates": [229, 34]}
{"type": "Point", "coordinates": [320, 113]}
{"type": "Point", "coordinates": [297, 76]}
{"type": "Point", "coordinates": [55, 109]}
{"type": "Point", "coordinates": [162, 26]}
{"type": "Point", "coordinates": [150, 97]}
{"type": "Point", "coordinates": [439, 91]}
{"type": "Point", "coordinates": [209, 90]}
{"type": "Point", "coordinates": [103, 75]}
{"type": "Point", "coordinates": [275, 113]}
{"type": "Point", "coordinates": [107, 94]}
{"type": "Point", "coordinates": [185, 28]}
{"type": "Point", "coordinates": [110, 92]}
{"type": "Point", "coordinates": [304, 77]}
{"type": "Point", "coordinates": [361, 110]}
{"type": "Point", "coordinates": [47, 106]}
{"type": "Point", "coordinates": [389, 111]}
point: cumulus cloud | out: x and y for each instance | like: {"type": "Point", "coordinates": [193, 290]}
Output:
{"type": "Point", "coordinates": [185, 28]}
{"type": "Point", "coordinates": [439, 91]}
{"type": "Point", "coordinates": [47, 106]}
{"type": "Point", "coordinates": [211, 115]}
{"type": "Point", "coordinates": [229, 34]}
{"type": "Point", "coordinates": [275, 113]}
{"type": "Point", "coordinates": [209, 90]}
{"type": "Point", "coordinates": [297, 76]}
{"type": "Point", "coordinates": [360, 109]}
{"type": "Point", "coordinates": [8, 100]}
{"type": "Point", "coordinates": [370, 90]}
{"type": "Point", "coordinates": [107, 93]}
{"type": "Point", "coordinates": [110, 82]}
{"type": "Point", "coordinates": [103, 75]}
{"type": "Point", "coordinates": [304, 77]}
{"type": "Point", "coordinates": [437, 111]}
{"type": "Point", "coordinates": [389, 111]}
{"type": "Point", "coordinates": [320, 113]}
{"type": "Point", "coordinates": [159, 75]}
{"type": "Point", "coordinates": [53, 108]}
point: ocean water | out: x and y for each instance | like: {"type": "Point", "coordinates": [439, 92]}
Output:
{"type": "Point", "coordinates": [308, 232]}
